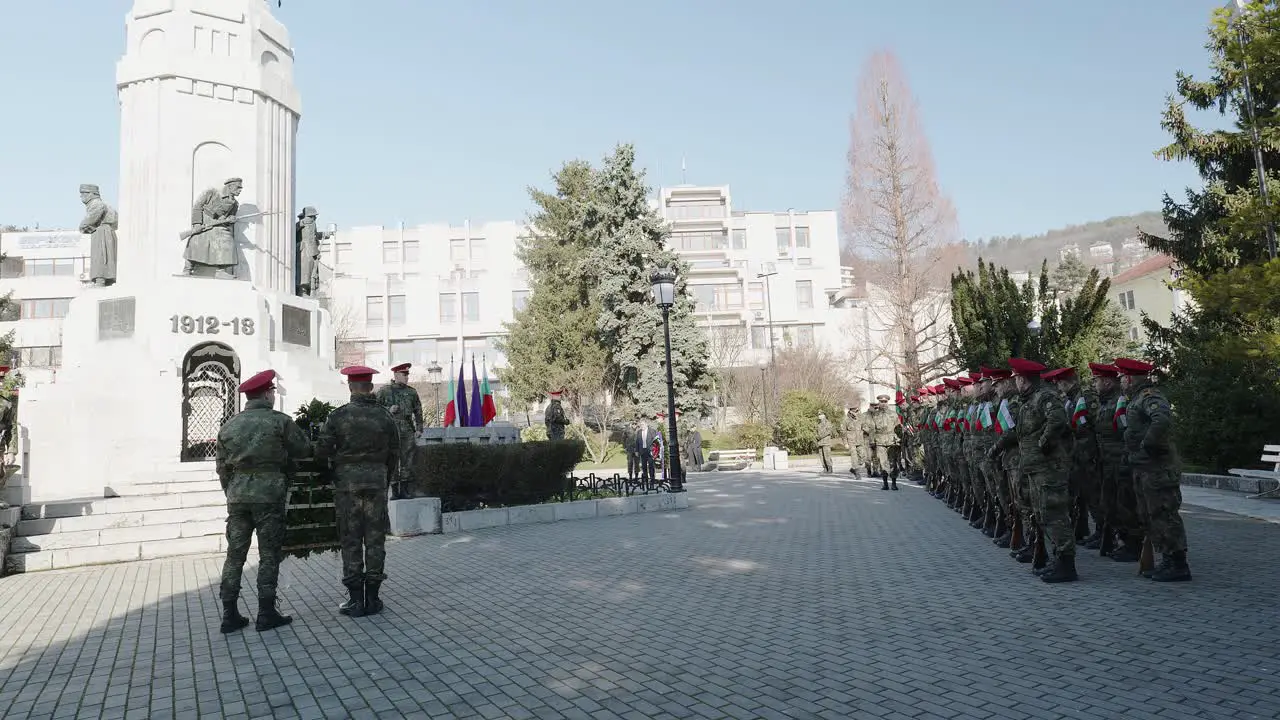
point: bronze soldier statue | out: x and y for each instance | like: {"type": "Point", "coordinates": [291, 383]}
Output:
{"type": "Point", "coordinates": [211, 243]}
{"type": "Point", "coordinates": [309, 238]}
{"type": "Point", "coordinates": [100, 224]}
{"type": "Point", "coordinates": [256, 449]}
{"type": "Point", "coordinates": [362, 443]}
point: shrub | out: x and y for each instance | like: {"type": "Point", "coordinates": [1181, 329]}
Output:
{"type": "Point", "coordinates": [751, 435]}
{"type": "Point", "coordinates": [798, 421]}
{"type": "Point", "coordinates": [466, 476]}
{"type": "Point", "coordinates": [533, 433]}
{"type": "Point", "coordinates": [311, 523]}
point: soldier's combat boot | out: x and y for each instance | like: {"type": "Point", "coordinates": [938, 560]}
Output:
{"type": "Point", "coordinates": [1175, 570]}
{"type": "Point", "coordinates": [1063, 569]}
{"type": "Point", "coordinates": [1129, 552]}
{"type": "Point", "coordinates": [893, 480]}
{"type": "Point", "coordinates": [372, 605]}
{"type": "Point", "coordinates": [354, 606]}
{"type": "Point", "coordinates": [1005, 540]}
{"type": "Point", "coordinates": [1093, 541]}
{"type": "Point", "coordinates": [884, 478]}
{"type": "Point", "coordinates": [232, 620]}
{"type": "Point", "coordinates": [268, 617]}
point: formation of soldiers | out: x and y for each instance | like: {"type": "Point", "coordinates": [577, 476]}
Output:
{"type": "Point", "coordinates": [876, 440]}
{"type": "Point", "coordinates": [1033, 457]}
{"type": "Point", "coordinates": [367, 444]}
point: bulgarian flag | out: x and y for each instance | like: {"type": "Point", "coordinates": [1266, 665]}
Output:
{"type": "Point", "coordinates": [450, 410]}
{"type": "Point", "coordinates": [1004, 418]}
{"type": "Point", "coordinates": [900, 400]}
{"type": "Point", "coordinates": [1080, 417]}
{"type": "Point", "coordinates": [1120, 420]}
{"type": "Point", "coordinates": [937, 420]}
{"type": "Point", "coordinates": [968, 416]}
{"type": "Point", "coordinates": [488, 410]}
{"type": "Point", "coordinates": [984, 417]}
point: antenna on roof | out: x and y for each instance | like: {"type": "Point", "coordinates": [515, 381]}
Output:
{"type": "Point", "coordinates": [684, 168]}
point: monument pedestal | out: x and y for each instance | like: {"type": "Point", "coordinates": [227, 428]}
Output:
{"type": "Point", "coordinates": [150, 374]}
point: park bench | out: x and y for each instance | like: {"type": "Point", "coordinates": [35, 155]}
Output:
{"type": "Point", "coordinates": [1270, 454]}
{"type": "Point", "coordinates": [731, 459]}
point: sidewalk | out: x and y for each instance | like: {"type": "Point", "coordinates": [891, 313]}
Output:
{"type": "Point", "coordinates": [1232, 502]}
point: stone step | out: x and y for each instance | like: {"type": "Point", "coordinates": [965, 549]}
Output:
{"type": "Point", "coordinates": [137, 535]}
{"type": "Point", "coordinates": [200, 484]}
{"type": "Point", "coordinates": [81, 523]}
{"type": "Point", "coordinates": [58, 559]}
{"type": "Point", "coordinates": [121, 505]}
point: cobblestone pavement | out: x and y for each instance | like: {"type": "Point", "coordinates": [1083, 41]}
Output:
{"type": "Point", "coordinates": [779, 595]}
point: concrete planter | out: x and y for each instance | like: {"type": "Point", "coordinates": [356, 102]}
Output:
{"type": "Point", "coordinates": [417, 519]}
{"type": "Point", "coordinates": [1252, 486]}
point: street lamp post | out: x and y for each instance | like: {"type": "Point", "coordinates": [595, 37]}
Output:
{"type": "Point", "coordinates": [764, 392]}
{"type": "Point", "coordinates": [664, 293]}
{"type": "Point", "coordinates": [433, 371]}
{"type": "Point", "coordinates": [771, 270]}
{"type": "Point", "coordinates": [1237, 8]}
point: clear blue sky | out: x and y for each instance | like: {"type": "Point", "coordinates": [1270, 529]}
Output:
{"type": "Point", "coordinates": [1040, 114]}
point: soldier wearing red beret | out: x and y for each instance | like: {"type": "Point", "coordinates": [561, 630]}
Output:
{"type": "Point", "coordinates": [1081, 404]}
{"type": "Point", "coordinates": [1148, 439]}
{"type": "Point", "coordinates": [405, 406]}
{"type": "Point", "coordinates": [362, 443]}
{"type": "Point", "coordinates": [1119, 499]}
{"type": "Point", "coordinates": [256, 449]}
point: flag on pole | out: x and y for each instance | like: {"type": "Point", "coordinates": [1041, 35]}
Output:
{"type": "Point", "coordinates": [475, 414]}
{"type": "Point", "coordinates": [488, 409]}
{"type": "Point", "coordinates": [450, 410]}
{"type": "Point", "coordinates": [460, 399]}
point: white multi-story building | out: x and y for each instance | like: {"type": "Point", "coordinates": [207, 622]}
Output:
{"type": "Point", "coordinates": [41, 272]}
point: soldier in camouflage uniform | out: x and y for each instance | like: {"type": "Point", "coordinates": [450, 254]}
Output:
{"type": "Point", "coordinates": [1080, 405]}
{"type": "Point", "coordinates": [916, 412]}
{"type": "Point", "coordinates": [405, 407]}
{"type": "Point", "coordinates": [883, 430]}
{"type": "Point", "coordinates": [983, 439]}
{"type": "Point", "coordinates": [1004, 462]}
{"type": "Point", "coordinates": [1148, 438]}
{"type": "Point", "coordinates": [1042, 434]}
{"type": "Point", "coordinates": [824, 444]}
{"type": "Point", "coordinates": [361, 442]}
{"type": "Point", "coordinates": [257, 449]}
{"type": "Point", "coordinates": [554, 417]}
{"type": "Point", "coordinates": [1119, 502]}
{"type": "Point", "coordinates": [851, 430]}
{"type": "Point", "coordinates": [968, 466]}
{"type": "Point", "coordinates": [947, 442]}
{"type": "Point", "coordinates": [868, 452]}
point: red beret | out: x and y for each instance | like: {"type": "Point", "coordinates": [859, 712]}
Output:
{"type": "Point", "coordinates": [1021, 366]}
{"type": "Point", "coordinates": [1000, 373]}
{"type": "Point", "coordinates": [922, 391]}
{"type": "Point", "coordinates": [258, 383]}
{"type": "Point", "coordinates": [359, 373]}
{"type": "Point", "coordinates": [915, 398]}
{"type": "Point", "coordinates": [4, 369]}
{"type": "Point", "coordinates": [555, 394]}
{"type": "Point", "coordinates": [1101, 370]}
{"type": "Point", "coordinates": [402, 367]}
{"type": "Point", "coordinates": [975, 375]}
{"type": "Point", "coordinates": [1059, 374]}
{"type": "Point", "coordinates": [1133, 367]}
{"type": "Point", "coordinates": [939, 389]}
{"type": "Point", "coordinates": [951, 383]}
{"type": "Point", "coordinates": [962, 380]}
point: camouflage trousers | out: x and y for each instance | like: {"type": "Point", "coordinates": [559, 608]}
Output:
{"type": "Point", "coordinates": [1120, 499]}
{"type": "Point", "coordinates": [1160, 495]}
{"type": "Point", "coordinates": [1053, 503]}
{"type": "Point", "coordinates": [1086, 484]}
{"type": "Point", "coordinates": [242, 520]}
{"type": "Point", "coordinates": [997, 484]}
{"type": "Point", "coordinates": [408, 445]}
{"type": "Point", "coordinates": [880, 460]}
{"type": "Point", "coordinates": [856, 457]}
{"type": "Point", "coordinates": [824, 452]}
{"type": "Point", "coordinates": [362, 526]}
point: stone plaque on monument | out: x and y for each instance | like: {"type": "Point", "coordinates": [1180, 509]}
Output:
{"type": "Point", "coordinates": [295, 323]}
{"type": "Point", "coordinates": [116, 318]}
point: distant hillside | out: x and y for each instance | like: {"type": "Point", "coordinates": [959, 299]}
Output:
{"type": "Point", "coordinates": [1026, 253]}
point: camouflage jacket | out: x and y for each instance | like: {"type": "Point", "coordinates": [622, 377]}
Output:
{"type": "Point", "coordinates": [361, 442]}
{"type": "Point", "coordinates": [555, 420]}
{"type": "Point", "coordinates": [256, 452]}
{"type": "Point", "coordinates": [1110, 437]}
{"type": "Point", "coordinates": [407, 404]}
{"type": "Point", "coordinates": [824, 433]}
{"type": "Point", "coordinates": [1084, 403]}
{"type": "Point", "coordinates": [851, 429]}
{"type": "Point", "coordinates": [1041, 430]}
{"type": "Point", "coordinates": [1147, 438]}
{"type": "Point", "coordinates": [883, 428]}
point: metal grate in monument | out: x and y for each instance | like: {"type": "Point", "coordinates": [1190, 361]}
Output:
{"type": "Point", "coordinates": [211, 401]}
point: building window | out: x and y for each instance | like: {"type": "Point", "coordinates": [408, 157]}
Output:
{"type": "Point", "coordinates": [46, 356]}
{"type": "Point", "coordinates": [373, 315]}
{"type": "Point", "coordinates": [804, 262]}
{"type": "Point", "coordinates": [471, 307]}
{"type": "Point", "coordinates": [11, 268]}
{"type": "Point", "coordinates": [698, 241]}
{"type": "Point", "coordinates": [760, 337]}
{"type": "Point", "coordinates": [396, 310]}
{"type": "Point", "coordinates": [1133, 333]}
{"type": "Point", "coordinates": [390, 251]}
{"type": "Point", "coordinates": [477, 251]}
{"type": "Point", "coordinates": [45, 308]}
{"type": "Point", "coordinates": [712, 298]}
{"type": "Point", "coordinates": [804, 294]}
{"type": "Point", "coordinates": [755, 296]}
{"type": "Point", "coordinates": [402, 352]}
{"type": "Point", "coordinates": [374, 354]}
{"type": "Point", "coordinates": [424, 351]}
{"type": "Point", "coordinates": [457, 251]}
{"type": "Point", "coordinates": [519, 300]}
{"type": "Point", "coordinates": [1126, 300]}
{"type": "Point", "coordinates": [411, 251]}
{"type": "Point", "coordinates": [804, 336]}
{"type": "Point", "coordinates": [739, 239]}
{"type": "Point", "coordinates": [448, 308]}
{"type": "Point", "coordinates": [695, 209]}
{"type": "Point", "coordinates": [342, 253]}
{"type": "Point", "coordinates": [784, 240]}
{"type": "Point", "coordinates": [802, 237]}
{"type": "Point", "coordinates": [51, 267]}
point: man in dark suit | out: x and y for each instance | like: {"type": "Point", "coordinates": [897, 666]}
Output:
{"type": "Point", "coordinates": [629, 447]}
{"type": "Point", "coordinates": [643, 442]}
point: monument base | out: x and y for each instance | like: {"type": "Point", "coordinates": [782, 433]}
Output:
{"type": "Point", "coordinates": [150, 373]}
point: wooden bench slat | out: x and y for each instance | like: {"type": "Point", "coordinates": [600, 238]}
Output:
{"type": "Point", "coordinates": [1271, 458]}
{"type": "Point", "coordinates": [1271, 448]}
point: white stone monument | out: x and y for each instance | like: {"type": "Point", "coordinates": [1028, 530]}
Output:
{"type": "Point", "coordinates": [150, 365]}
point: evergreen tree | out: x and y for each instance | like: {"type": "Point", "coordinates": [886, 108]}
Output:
{"type": "Point", "coordinates": [1221, 355]}
{"type": "Point", "coordinates": [630, 242]}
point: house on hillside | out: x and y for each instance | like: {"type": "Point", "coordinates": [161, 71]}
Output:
{"type": "Point", "coordinates": [1146, 288]}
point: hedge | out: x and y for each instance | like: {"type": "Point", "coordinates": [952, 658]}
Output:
{"type": "Point", "coordinates": [311, 522]}
{"type": "Point", "coordinates": [466, 476]}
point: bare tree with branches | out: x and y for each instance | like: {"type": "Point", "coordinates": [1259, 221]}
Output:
{"type": "Point", "coordinates": [896, 215]}
{"type": "Point", "coordinates": [725, 344]}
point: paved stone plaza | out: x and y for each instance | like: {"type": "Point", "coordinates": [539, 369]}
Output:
{"type": "Point", "coordinates": [778, 595]}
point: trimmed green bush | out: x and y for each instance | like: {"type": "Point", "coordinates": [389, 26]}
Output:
{"type": "Point", "coordinates": [466, 476]}
{"type": "Point", "coordinates": [798, 424]}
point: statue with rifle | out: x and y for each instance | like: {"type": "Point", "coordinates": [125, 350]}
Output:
{"type": "Point", "coordinates": [211, 242]}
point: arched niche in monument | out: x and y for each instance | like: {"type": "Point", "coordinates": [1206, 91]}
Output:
{"type": "Point", "coordinates": [210, 167]}
{"type": "Point", "coordinates": [152, 44]}
{"type": "Point", "coordinates": [210, 378]}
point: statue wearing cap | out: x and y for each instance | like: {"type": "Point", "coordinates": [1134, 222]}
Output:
{"type": "Point", "coordinates": [1148, 439]}
{"type": "Point", "coordinates": [405, 407]}
{"type": "Point", "coordinates": [100, 224]}
{"type": "Point", "coordinates": [308, 238]}
{"type": "Point", "coordinates": [211, 247]}
{"type": "Point", "coordinates": [361, 443]}
{"type": "Point", "coordinates": [256, 450]}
